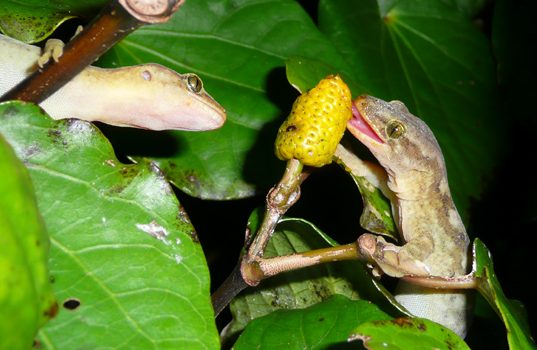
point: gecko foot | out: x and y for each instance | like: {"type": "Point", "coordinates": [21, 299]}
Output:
{"type": "Point", "coordinates": [53, 49]}
{"type": "Point", "coordinates": [367, 244]}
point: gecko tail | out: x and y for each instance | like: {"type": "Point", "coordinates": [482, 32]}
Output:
{"type": "Point", "coordinates": [451, 309]}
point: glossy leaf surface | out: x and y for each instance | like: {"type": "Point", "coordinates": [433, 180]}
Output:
{"type": "Point", "coordinates": [405, 333]}
{"type": "Point", "coordinates": [511, 312]}
{"type": "Point", "coordinates": [317, 327]}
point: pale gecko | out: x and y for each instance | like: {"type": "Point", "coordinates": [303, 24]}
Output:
{"type": "Point", "coordinates": [148, 96]}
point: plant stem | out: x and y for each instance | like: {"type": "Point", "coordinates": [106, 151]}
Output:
{"type": "Point", "coordinates": [279, 200]}
{"type": "Point", "coordinates": [273, 266]}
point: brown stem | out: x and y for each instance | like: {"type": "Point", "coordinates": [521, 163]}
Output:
{"type": "Point", "coordinates": [248, 272]}
{"type": "Point", "coordinates": [279, 200]}
{"type": "Point", "coordinates": [273, 266]}
{"type": "Point", "coordinates": [233, 285]}
{"type": "Point", "coordinates": [258, 269]}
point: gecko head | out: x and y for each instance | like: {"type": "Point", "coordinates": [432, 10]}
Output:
{"type": "Point", "coordinates": [208, 114]}
{"type": "Point", "coordinates": [401, 142]}
{"type": "Point", "coordinates": [172, 101]}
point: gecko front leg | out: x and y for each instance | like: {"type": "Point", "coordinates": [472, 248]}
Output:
{"type": "Point", "coordinates": [396, 261]}
{"type": "Point", "coordinates": [54, 49]}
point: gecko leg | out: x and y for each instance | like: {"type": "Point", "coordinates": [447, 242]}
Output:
{"type": "Point", "coordinates": [54, 49]}
{"type": "Point", "coordinates": [394, 260]}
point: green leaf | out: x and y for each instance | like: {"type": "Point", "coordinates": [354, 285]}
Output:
{"type": "Point", "coordinates": [34, 20]}
{"type": "Point", "coordinates": [432, 58]}
{"type": "Point", "coordinates": [127, 267]}
{"type": "Point", "coordinates": [510, 311]}
{"type": "Point", "coordinates": [304, 74]}
{"type": "Point", "coordinates": [26, 299]}
{"type": "Point", "coordinates": [239, 49]}
{"type": "Point", "coordinates": [377, 214]}
{"type": "Point", "coordinates": [305, 287]}
{"type": "Point", "coordinates": [317, 327]}
{"type": "Point", "coordinates": [405, 333]}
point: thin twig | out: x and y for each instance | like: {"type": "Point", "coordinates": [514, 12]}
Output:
{"type": "Point", "coordinates": [273, 266]}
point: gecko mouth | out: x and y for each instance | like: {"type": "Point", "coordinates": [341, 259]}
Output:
{"type": "Point", "coordinates": [360, 124]}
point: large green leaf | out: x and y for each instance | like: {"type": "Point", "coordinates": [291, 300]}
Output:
{"type": "Point", "coordinates": [304, 73]}
{"type": "Point", "coordinates": [305, 287]}
{"type": "Point", "coordinates": [127, 267]}
{"type": "Point", "coordinates": [322, 326]}
{"type": "Point", "coordinates": [511, 311]}
{"type": "Point", "coordinates": [431, 57]}
{"type": "Point", "coordinates": [331, 323]}
{"type": "Point", "coordinates": [26, 299]}
{"type": "Point", "coordinates": [239, 48]}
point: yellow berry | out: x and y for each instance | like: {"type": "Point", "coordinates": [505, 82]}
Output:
{"type": "Point", "coordinates": [316, 124]}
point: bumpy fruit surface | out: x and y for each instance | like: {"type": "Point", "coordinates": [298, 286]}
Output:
{"type": "Point", "coordinates": [316, 124]}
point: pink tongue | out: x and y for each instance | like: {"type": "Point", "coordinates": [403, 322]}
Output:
{"type": "Point", "coordinates": [361, 125]}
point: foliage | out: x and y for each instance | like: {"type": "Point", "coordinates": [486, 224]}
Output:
{"type": "Point", "coordinates": [123, 253]}
{"type": "Point", "coordinates": [128, 270]}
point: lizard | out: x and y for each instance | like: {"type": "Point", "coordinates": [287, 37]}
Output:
{"type": "Point", "coordinates": [147, 96]}
{"type": "Point", "coordinates": [435, 242]}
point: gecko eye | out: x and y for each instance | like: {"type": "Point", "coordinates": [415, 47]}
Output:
{"type": "Point", "coordinates": [194, 83]}
{"type": "Point", "coordinates": [395, 129]}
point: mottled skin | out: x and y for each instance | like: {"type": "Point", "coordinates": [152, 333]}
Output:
{"type": "Point", "coordinates": [434, 237]}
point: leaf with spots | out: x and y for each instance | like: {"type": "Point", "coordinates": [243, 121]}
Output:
{"type": "Point", "coordinates": [34, 20]}
{"type": "Point", "coordinates": [325, 325]}
{"type": "Point", "coordinates": [128, 271]}
{"type": "Point", "coordinates": [405, 333]}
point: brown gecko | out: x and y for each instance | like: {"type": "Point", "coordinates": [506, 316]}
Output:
{"type": "Point", "coordinates": [435, 242]}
